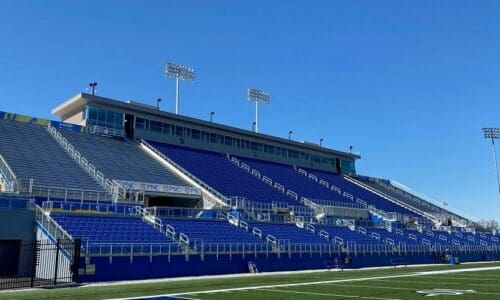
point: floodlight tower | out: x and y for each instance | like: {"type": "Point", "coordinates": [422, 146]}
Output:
{"type": "Point", "coordinates": [179, 72]}
{"type": "Point", "coordinates": [257, 96]}
{"type": "Point", "coordinates": [493, 134]}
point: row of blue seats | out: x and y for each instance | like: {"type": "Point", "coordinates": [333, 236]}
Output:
{"type": "Point", "coordinates": [359, 192]}
{"type": "Point", "coordinates": [215, 170]}
{"type": "Point", "coordinates": [110, 229]}
{"type": "Point", "coordinates": [346, 235]}
{"type": "Point", "coordinates": [288, 233]}
{"type": "Point", "coordinates": [212, 231]}
{"type": "Point", "coordinates": [288, 177]}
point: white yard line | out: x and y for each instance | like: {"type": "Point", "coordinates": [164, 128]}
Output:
{"type": "Point", "coordinates": [467, 278]}
{"type": "Point", "coordinates": [398, 288]}
{"type": "Point", "coordinates": [436, 282]}
{"type": "Point", "coordinates": [482, 275]}
{"type": "Point", "coordinates": [327, 295]}
{"type": "Point", "coordinates": [416, 274]}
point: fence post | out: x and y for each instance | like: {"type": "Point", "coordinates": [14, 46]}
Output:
{"type": "Point", "coordinates": [56, 265]}
{"type": "Point", "coordinates": [35, 262]}
{"type": "Point", "coordinates": [76, 259]}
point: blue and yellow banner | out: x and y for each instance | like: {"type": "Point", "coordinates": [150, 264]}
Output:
{"type": "Point", "coordinates": [39, 121]}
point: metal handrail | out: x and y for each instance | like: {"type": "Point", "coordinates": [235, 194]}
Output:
{"type": "Point", "coordinates": [199, 247]}
{"type": "Point", "coordinates": [337, 204]}
{"type": "Point", "coordinates": [53, 228]}
{"type": "Point", "coordinates": [65, 206]}
{"type": "Point", "coordinates": [92, 249]}
{"type": "Point", "coordinates": [8, 173]}
{"type": "Point", "coordinates": [400, 203]}
{"type": "Point", "coordinates": [425, 200]}
{"type": "Point", "coordinates": [53, 192]}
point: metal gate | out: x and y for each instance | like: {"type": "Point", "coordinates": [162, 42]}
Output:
{"type": "Point", "coordinates": [26, 264]}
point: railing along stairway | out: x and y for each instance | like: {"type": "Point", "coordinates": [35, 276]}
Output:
{"type": "Point", "coordinates": [392, 199]}
{"type": "Point", "coordinates": [213, 197]}
{"type": "Point", "coordinates": [8, 175]}
{"type": "Point", "coordinates": [118, 192]}
{"type": "Point", "coordinates": [148, 216]}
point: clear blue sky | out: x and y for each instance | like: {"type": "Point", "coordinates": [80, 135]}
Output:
{"type": "Point", "coordinates": [409, 83]}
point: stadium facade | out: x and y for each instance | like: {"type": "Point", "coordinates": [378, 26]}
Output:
{"type": "Point", "coordinates": [122, 190]}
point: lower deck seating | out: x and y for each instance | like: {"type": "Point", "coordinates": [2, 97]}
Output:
{"type": "Point", "coordinates": [386, 237]}
{"type": "Point", "coordinates": [346, 235]}
{"type": "Point", "coordinates": [113, 232]}
{"type": "Point", "coordinates": [212, 231]}
{"type": "Point", "coordinates": [288, 233]}
{"type": "Point", "coordinates": [217, 235]}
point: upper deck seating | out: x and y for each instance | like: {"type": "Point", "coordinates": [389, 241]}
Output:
{"type": "Point", "coordinates": [121, 160]}
{"type": "Point", "coordinates": [32, 153]}
{"type": "Point", "coordinates": [218, 172]}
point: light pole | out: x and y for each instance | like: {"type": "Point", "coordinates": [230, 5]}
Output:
{"type": "Point", "coordinates": [320, 142]}
{"type": "Point", "coordinates": [257, 96]}
{"type": "Point", "coordinates": [253, 126]}
{"type": "Point", "coordinates": [290, 135]}
{"type": "Point", "coordinates": [158, 103]}
{"type": "Point", "coordinates": [493, 134]}
{"type": "Point", "coordinates": [350, 149]}
{"type": "Point", "coordinates": [211, 116]}
{"type": "Point", "coordinates": [179, 72]}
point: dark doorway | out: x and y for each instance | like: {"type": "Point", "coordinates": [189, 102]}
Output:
{"type": "Point", "coordinates": [187, 202]}
{"type": "Point", "coordinates": [129, 126]}
{"type": "Point", "coordinates": [9, 257]}
{"type": "Point", "coordinates": [337, 165]}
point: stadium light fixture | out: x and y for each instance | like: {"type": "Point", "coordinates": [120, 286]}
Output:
{"type": "Point", "coordinates": [179, 72]}
{"type": "Point", "coordinates": [290, 135]}
{"type": "Point", "coordinates": [257, 96]}
{"type": "Point", "coordinates": [211, 116]}
{"type": "Point", "coordinates": [158, 103]}
{"type": "Point", "coordinates": [92, 86]}
{"type": "Point", "coordinates": [493, 133]}
{"type": "Point", "coordinates": [253, 126]}
{"type": "Point", "coordinates": [320, 142]}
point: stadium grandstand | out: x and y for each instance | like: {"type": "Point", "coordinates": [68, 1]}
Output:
{"type": "Point", "coordinates": [122, 190]}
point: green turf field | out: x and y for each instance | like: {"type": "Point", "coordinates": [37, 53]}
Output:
{"type": "Point", "coordinates": [467, 281]}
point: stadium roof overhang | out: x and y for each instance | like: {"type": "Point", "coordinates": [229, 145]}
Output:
{"type": "Point", "coordinates": [79, 101]}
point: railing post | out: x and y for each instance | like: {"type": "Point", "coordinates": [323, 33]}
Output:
{"type": "Point", "coordinates": [36, 249]}
{"type": "Point", "coordinates": [76, 259]}
{"type": "Point", "coordinates": [56, 264]}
